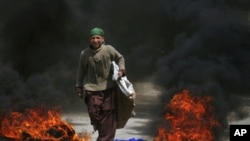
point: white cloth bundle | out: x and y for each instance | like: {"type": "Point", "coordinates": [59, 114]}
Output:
{"type": "Point", "coordinates": [124, 84]}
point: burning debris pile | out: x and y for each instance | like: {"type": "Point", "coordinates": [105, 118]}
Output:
{"type": "Point", "coordinates": [38, 124]}
{"type": "Point", "coordinates": [191, 119]}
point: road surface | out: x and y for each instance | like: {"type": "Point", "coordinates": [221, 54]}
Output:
{"type": "Point", "coordinates": [139, 127]}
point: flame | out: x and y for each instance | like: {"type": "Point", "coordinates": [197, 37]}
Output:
{"type": "Point", "coordinates": [38, 124]}
{"type": "Point", "coordinates": [191, 119]}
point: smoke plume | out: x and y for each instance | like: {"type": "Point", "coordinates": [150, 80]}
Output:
{"type": "Point", "coordinates": [210, 55]}
{"type": "Point", "coordinates": [202, 45]}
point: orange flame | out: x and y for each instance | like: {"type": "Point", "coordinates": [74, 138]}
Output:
{"type": "Point", "coordinates": [38, 124]}
{"type": "Point", "coordinates": [191, 119]}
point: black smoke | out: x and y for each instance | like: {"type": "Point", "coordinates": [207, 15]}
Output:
{"type": "Point", "coordinates": [202, 45]}
{"type": "Point", "coordinates": [210, 55]}
{"type": "Point", "coordinates": [38, 45]}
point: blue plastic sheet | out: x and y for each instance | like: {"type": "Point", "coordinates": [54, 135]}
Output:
{"type": "Point", "coordinates": [132, 139]}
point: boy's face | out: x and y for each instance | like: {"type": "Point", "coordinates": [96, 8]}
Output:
{"type": "Point", "coordinates": [96, 41]}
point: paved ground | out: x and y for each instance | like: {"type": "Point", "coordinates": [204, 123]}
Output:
{"type": "Point", "coordinates": [143, 125]}
{"type": "Point", "coordinates": [138, 127]}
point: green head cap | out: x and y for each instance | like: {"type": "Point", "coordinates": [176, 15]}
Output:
{"type": "Point", "coordinates": [96, 31]}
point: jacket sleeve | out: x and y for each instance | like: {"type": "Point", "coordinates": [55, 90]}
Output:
{"type": "Point", "coordinates": [81, 70]}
